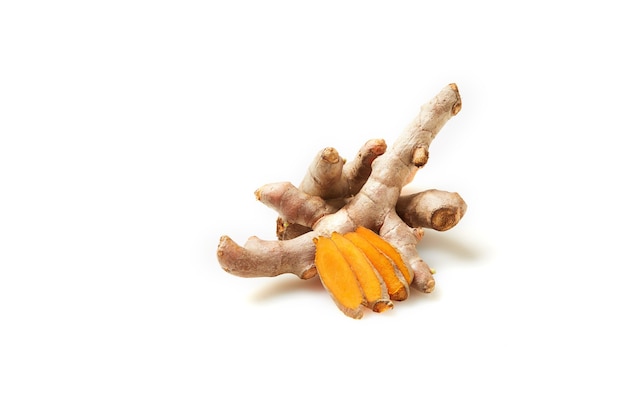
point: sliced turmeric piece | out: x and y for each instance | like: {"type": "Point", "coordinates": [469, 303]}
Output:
{"type": "Point", "coordinates": [372, 285]}
{"type": "Point", "coordinates": [338, 278]}
{"type": "Point", "coordinates": [386, 248]}
{"type": "Point", "coordinates": [397, 286]}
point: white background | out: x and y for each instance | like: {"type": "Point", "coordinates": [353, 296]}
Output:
{"type": "Point", "coordinates": [133, 135]}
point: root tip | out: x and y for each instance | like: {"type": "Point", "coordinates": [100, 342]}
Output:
{"type": "Point", "coordinates": [445, 218]}
{"type": "Point", "coordinates": [309, 273]}
{"type": "Point", "coordinates": [330, 155]}
{"type": "Point", "coordinates": [382, 306]}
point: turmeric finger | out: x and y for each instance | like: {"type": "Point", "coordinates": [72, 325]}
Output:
{"type": "Point", "coordinates": [372, 285]}
{"type": "Point", "coordinates": [397, 287]}
{"type": "Point", "coordinates": [386, 248]}
{"type": "Point", "coordinates": [338, 278]}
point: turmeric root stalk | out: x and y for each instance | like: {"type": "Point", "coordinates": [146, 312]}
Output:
{"type": "Point", "coordinates": [339, 196]}
{"type": "Point", "coordinates": [332, 179]}
{"type": "Point", "coordinates": [430, 209]}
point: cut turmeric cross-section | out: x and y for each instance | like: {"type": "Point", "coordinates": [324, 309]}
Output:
{"type": "Point", "coordinates": [361, 269]}
{"type": "Point", "coordinates": [386, 248]}
{"type": "Point", "coordinates": [397, 285]}
{"type": "Point", "coordinates": [372, 285]}
{"type": "Point", "coordinates": [338, 277]}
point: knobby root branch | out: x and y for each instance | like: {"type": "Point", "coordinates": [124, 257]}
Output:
{"type": "Point", "coordinates": [349, 224]}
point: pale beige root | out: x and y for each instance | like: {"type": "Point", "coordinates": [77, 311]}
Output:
{"type": "Point", "coordinates": [373, 206]}
{"type": "Point", "coordinates": [390, 171]}
{"type": "Point", "coordinates": [395, 168]}
{"type": "Point", "coordinates": [420, 133]}
{"type": "Point", "coordinates": [405, 239]}
{"type": "Point", "coordinates": [357, 171]}
{"type": "Point", "coordinates": [432, 209]}
{"type": "Point", "coordinates": [263, 258]}
{"type": "Point", "coordinates": [322, 181]}
{"type": "Point", "coordinates": [330, 178]}
{"type": "Point", "coordinates": [323, 178]}
{"type": "Point", "coordinates": [293, 205]}
{"type": "Point", "coordinates": [369, 207]}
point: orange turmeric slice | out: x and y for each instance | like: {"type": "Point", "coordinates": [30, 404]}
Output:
{"type": "Point", "coordinates": [372, 285]}
{"type": "Point", "coordinates": [386, 248]}
{"type": "Point", "coordinates": [338, 278]}
{"type": "Point", "coordinates": [397, 286]}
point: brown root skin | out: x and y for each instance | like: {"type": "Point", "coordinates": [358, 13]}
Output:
{"type": "Point", "coordinates": [323, 178]}
{"type": "Point", "coordinates": [359, 169]}
{"type": "Point", "coordinates": [263, 258]}
{"type": "Point", "coordinates": [336, 196]}
{"type": "Point", "coordinates": [430, 209]}
{"type": "Point", "coordinates": [330, 177]}
{"type": "Point", "coordinates": [433, 209]}
{"type": "Point", "coordinates": [293, 205]}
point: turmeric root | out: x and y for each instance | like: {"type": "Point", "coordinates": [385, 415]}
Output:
{"type": "Point", "coordinates": [340, 196]}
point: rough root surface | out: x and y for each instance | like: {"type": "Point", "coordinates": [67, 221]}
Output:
{"type": "Point", "coordinates": [336, 196]}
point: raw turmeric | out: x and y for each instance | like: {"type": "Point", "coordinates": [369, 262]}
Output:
{"type": "Point", "coordinates": [338, 277]}
{"type": "Point", "coordinates": [386, 249]}
{"type": "Point", "coordinates": [339, 198]}
{"type": "Point", "coordinates": [397, 285]}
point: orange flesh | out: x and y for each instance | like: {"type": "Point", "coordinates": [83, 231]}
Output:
{"type": "Point", "coordinates": [395, 282]}
{"type": "Point", "coordinates": [386, 248]}
{"type": "Point", "coordinates": [338, 277]}
{"type": "Point", "coordinates": [369, 280]}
